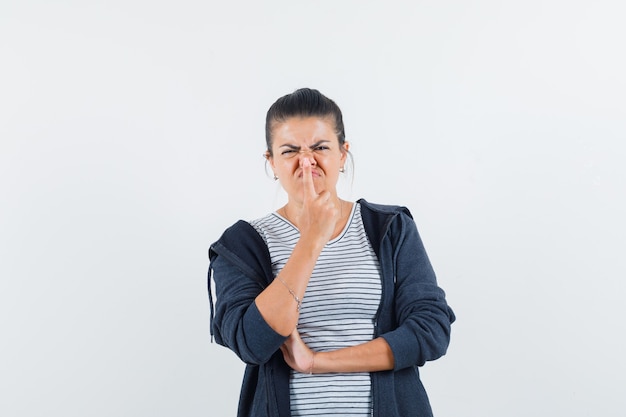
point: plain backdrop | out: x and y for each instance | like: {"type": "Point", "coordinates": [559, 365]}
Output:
{"type": "Point", "coordinates": [131, 136]}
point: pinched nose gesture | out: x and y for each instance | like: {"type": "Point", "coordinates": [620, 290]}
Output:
{"type": "Point", "coordinates": [319, 214]}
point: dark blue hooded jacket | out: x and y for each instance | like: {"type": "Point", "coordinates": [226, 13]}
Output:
{"type": "Point", "coordinates": [413, 316]}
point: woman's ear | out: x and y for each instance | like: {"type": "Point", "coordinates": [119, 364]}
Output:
{"type": "Point", "coordinates": [268, 158]}
{"type": "Point", "coordinates": [344, 151]}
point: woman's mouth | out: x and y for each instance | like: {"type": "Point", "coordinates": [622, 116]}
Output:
{"type": "Point", "coordinates": [314, 174]}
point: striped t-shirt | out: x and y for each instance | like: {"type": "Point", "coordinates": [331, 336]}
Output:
{"type": "Point", "coordinates": [338, 310]}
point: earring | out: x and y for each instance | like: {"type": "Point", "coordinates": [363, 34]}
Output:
{"type": "Point", "coordinates": [275, 177]}
{"type": "Point", "coordinates": [342, 170]}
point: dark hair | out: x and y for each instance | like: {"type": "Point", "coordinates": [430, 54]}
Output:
{"type": "Point", "coordinates": [304, 102]}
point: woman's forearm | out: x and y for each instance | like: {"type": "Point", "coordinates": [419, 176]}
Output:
{"type": "Point", "coordinates": [372, 356]}
{"type": "Point", "coordinates": [278, 303]}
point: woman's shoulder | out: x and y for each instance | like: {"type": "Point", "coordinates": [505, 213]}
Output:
{"type": "Point", "coordinates": [383, 209]}
{"type": "Point", "coordinates": [240, 234]}
{"type": "Point", "coordinates": [380, 219]}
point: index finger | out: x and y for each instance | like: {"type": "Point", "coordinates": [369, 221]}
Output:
{"type": "Point", "coordinates": [307, 180]}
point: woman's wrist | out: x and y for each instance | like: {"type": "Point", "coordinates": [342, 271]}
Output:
{"type": "Point", "coordinates": [311, 245]}
{"type": "Point", "coordinates": [312, 365]}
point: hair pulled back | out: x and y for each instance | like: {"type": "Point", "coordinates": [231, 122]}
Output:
{"type": "Point", "coordinates": [304, 102]}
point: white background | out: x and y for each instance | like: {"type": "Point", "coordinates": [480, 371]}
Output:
{"type": "Point", "coordinates": [131, 136]}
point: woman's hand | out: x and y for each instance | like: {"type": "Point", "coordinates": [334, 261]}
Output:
{"type": "Point", "coordinates": [320, 213]}
{"type": "Point", "coordinates": [297, 354]}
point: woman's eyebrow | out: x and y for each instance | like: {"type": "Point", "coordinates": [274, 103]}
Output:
{"type": "Point", "coordinates": [318, 143]}
{"type": "Point", "coordinates": [287, 145]}
{"type": "Point", "coordinates": [315, 145]}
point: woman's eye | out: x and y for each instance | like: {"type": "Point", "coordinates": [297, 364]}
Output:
{"type": "Point", "coordinates": [321, 148]}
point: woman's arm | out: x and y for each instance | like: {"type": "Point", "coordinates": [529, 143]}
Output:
{"type": "Point", "coordinates": [316, 218]}
{"type": "Point", "coordinates": [421, 311]}
{"type": "Point", "coordinates": [371, 356]}
{"type": "Point", "coordinates": [277, 303]}
{"type": "Point", "coordinates": [420, 308]}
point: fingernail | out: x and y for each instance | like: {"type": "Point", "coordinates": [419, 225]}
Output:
{"type": "Point", "coordinates": [306, 162]}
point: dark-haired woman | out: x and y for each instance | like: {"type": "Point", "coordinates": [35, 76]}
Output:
{"type": "Point", "coordinates": [333, 305]}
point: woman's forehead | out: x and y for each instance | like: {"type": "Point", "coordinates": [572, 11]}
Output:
{"type": "Point", "coordinates": [305, 130]}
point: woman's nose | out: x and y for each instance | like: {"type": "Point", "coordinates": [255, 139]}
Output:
{"type": "Point", "coordinates": [307, 153]}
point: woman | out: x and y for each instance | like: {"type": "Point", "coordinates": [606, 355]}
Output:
{"type": "Point", "coordinates": [332, 304]}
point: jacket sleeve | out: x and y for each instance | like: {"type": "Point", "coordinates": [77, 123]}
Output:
{"type": "Point", "coordinates": [421, 312]}
{"type": "Point", "coordinates": [237, 323]}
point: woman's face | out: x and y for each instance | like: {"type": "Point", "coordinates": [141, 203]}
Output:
{"type": "Point", "coordinates": [314, 138]}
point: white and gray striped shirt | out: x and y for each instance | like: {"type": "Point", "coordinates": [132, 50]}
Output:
{"type": "Point", "coordinates": [338, 310]}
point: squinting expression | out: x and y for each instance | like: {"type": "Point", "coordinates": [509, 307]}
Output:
{"type": "Point", "coordinates": [309, 137]}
